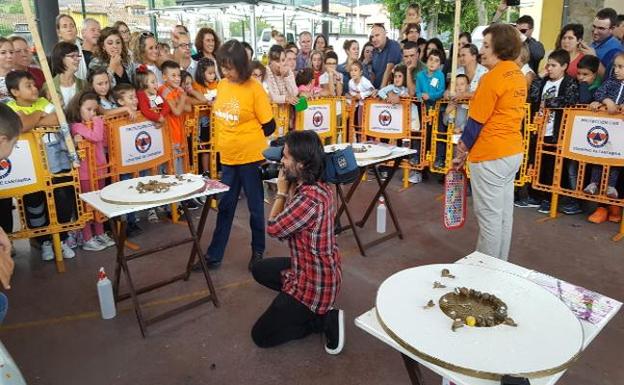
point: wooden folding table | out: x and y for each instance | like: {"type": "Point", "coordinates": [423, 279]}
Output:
{"type": "Point", "coordinates": [397, 155]}
{"type": "Point", "coordinates": [115, 214]}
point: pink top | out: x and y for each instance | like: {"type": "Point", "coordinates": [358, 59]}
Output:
{"type": "Point", "coordinates": [309, 89]}
{"type": "Point", "coordinates": [95, 135]}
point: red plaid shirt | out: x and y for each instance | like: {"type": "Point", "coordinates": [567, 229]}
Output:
{"type": "Point", "coordinates": [307, 222]}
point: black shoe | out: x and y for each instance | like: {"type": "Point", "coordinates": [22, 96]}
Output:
{"type": "Point", "coordinates": [196, 267]}
{"type": "Point", "coordinates": [191, 204]}
{"type": "Point", "coordinates": [544, 207]}
{"type": "Point", "coordinates": [532, 202]}
{"type": "Point", "coordinates": [255, 257]}
{"type": "Point", "coordinates": [334, 331]}
{"type": "Point", "coordinates": [132, 230]}
{"type": "Point", "coordinates": [522, 203]}
{"type": "Point", "coordinates": [572, 208]}
{"type": "Point", "coordinates": [439, 164]}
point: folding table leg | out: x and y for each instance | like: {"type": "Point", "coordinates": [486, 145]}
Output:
{"type": "Point", "coordinates": [200, 232]}
{"type": "Point", "coordinates": [381, 191]}
{"type": "Point", "coordinates": [413, 370]}
{"type": "Point", "coordinates": [344, 202]}
{"type": "Point", "coordinates": [119, 232]}
{"type": "Point", "coordinates": [196, 249]}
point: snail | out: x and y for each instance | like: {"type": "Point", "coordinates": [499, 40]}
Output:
{"type": "Point", "coordinates": [438, 285]}
{"type": "Point", "coordinates": [447, 274]}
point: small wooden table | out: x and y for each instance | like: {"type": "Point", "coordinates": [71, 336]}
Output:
{"type": "Point", "coordinates": [397, 155]}
{"type": "Point", "coordinates": [370, 324]}
{"type": "Point", "coordinates": [115, 212]}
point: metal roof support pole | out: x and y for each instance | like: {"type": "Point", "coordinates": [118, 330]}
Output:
{"type": "Point", "coordinates": [325, 10]}
{"type": "Point", "coordinates": [153, 23]}
{"type": "Point", "coordinates": [252, 27]}
{"type": "Point", "coordinates": [46, 11]}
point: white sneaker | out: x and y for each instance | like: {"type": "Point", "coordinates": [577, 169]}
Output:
{"type": "Point", "coordinates": [415, 177]}
{"type": "Point", "coordinates": [71, 240]}
{"type": "Point", "coordinates": [47, 252]}
{"type": "Point", "coordinates": [152, 217]}
{"type": "Point", "coordinates": [93, 245]}
{"type": "Point", "coordinates": [105, 240]}
{"type": "Point", "coordinates": [68, 253]}
{"type": "Point", "coordinates": [612, 192]}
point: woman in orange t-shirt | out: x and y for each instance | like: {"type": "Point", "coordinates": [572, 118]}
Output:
{"type": "Point", "coordinates": [492, 140]}
{"type": "Point", "coordinates": [243, 118]}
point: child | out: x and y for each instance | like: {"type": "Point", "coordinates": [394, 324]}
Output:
{"type": "Point", "coordinates": [360, 88]}
{"type": "Point", "coordinates": [555, 90]}
{"type": "Point", "coordinates": [316, 62]}
{"type": "Point", "coordinates": [147, 95]}
{"type": "Point", "coordinates": [86, 125]}
{"type": "Point", "coordinates": [587, 77]}
{"type": "Point", "coordinates": [186, 82]}
{"type": "Point", "coordinates": [610, 95]}
{"type": "Point", "coordinates": [462, 87]}
{"type": "Point", "coordinates": [175, 97]}
{"type": "Point", "coordinates": [305, 83]}
{"type": "Point", "coordinates": [430, 83]}
{"type": "Point", "coordinates": [205, 83]}
{"type": "Point", "coordinates": [125, 95]}
{"type": "Point", "coordinates": [258, 72]}
{"type": "Point", "coordinates": [99, 80]}
{"type": "Point", "coordinates": [397, 85]}
{"type": "Point", "coordinates": [206, 79]}
{"type": "Point", "coordinates": [35, 111]}
{"type": "Point", "coordinates": [331, 81]}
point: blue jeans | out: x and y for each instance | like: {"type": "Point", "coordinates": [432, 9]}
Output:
{"type": "Point", "coordinates": [247, 177]}
{"type": "Point", "coordinates": [4, 307]}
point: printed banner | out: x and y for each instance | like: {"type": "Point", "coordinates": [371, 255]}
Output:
{"type": "Point", "coordinates": [140, 143]}
{"type": "Point", "coordinates": [385, 120]}
{"type": "Point", "coordinates": [317, 118]}
{"type": "Point", "coordinates": [594, 138]}
{"type": "Point", "coordinates": [18, 173]}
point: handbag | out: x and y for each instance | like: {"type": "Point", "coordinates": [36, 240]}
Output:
{"type": "Point", "coordinates": [341, 166]}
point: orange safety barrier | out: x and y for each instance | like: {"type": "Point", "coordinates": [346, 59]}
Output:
{"type": "Point", "coordinates": [25, 176]}
{"type": "Point", "coordinates": [327, 116]}
{"type": "Point", "coordinates": [587, 141]}
{"type": "Point", "coordinates": [283, 115]}
{"type": "Point", "coordinates": [203, 150]}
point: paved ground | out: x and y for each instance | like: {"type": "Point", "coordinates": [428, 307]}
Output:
{"type": "Point", "coordinates": [54, 332]}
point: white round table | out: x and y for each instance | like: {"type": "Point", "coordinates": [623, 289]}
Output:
{"type": "Point", "coordinates": [125, 192]}
{"type": "Point", "coordinates": [548, 337]}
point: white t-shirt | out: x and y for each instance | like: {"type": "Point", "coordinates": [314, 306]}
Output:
{"type": "Point", "coordinates": [480, 71]}
{"type": "Point", "coordinates": [551, 90]}
{"type": "Point", "coordinates": [364, 88]}
{"type": "Point", "coordinates": [67, 93]}
{"type": "Point", "coordinates": [192, 67]}
{"type": "Point", "coordinates": [324, 78]}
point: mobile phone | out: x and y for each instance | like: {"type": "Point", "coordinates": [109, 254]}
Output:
{"type": "Point", "coordinates": [513, 3]}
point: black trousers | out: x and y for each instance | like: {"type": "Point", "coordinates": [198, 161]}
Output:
{"type": "Point", "coordinates": [286, 318]}
{"type": "Point", "coordinates": [6, 214]}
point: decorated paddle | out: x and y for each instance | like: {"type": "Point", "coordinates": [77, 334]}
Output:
{"type": "Point", "coordinates": [455, 187]}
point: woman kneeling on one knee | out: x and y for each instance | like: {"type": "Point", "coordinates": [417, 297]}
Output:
{"type": "Point", "coordinates": [308, 281]}
{"type": "Point", "coordinates": [492, 139]}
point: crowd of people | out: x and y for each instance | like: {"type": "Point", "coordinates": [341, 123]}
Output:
{"type": "Point", "coordinates": [101, 71]}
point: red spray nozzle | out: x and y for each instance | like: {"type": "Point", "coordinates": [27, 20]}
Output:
{"type": "Point", "coordinates": [101, 274]}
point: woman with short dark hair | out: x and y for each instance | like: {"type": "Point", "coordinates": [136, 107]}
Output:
{"type": "Point", "coordinates": [492, 140]}
{"type": "Point", "coordinates": [65, 60]}
{"type": "Point", "coordinates": [569, 39]}
{"type": "Point", "coordinates": [243, 118]}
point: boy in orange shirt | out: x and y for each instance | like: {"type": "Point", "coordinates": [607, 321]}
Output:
{"type": "Point", "coordinates": [176, 98]}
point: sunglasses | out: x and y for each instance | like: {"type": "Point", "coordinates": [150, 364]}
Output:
{"type": "Point", "coordinates": [523, 30]}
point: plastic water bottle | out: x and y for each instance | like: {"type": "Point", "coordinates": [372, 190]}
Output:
{"type": "Point", "coordinates": [339, 139]}
{"type": "Point", "coordinates": [381, 216]}
{"type": "Point", "coordinates": [105, 294]}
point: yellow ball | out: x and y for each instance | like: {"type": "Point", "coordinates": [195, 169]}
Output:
{"type": "Point", "coordinates": [471, 321]}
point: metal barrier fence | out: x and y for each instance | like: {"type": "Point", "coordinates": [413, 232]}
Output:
{"type": "Point", "coordinates": [28, 183]}
{"type": "Point", "coordinates": [588, 147]}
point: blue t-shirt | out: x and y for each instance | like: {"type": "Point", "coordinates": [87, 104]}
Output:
{"type": "Point", "coordinates": [390, 53]}
{"type": "Point", "coordinates": [606, 51]}
{"type": "Point", "coordinates": [433, 85]}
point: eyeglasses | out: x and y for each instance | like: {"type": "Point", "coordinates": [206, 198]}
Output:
{"type": "Point", "coordinates": [330, 63]}
{"type": "Point", "coordinates": [145, 34]}
{"type": "Point", "coordinates": [183, 45]}
{"type": "Point", "coordinates": [74, 55]}
{"type": "Point", "coordinates": [523, 30]}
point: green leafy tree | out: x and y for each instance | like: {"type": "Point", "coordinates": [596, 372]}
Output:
{"type": "Point", "coordinates": [439, 14]}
